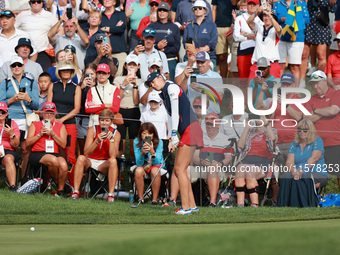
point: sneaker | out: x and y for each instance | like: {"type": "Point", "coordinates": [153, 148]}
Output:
{"type": "Point", "coordinates": [13, 188]}
{"type": "Point", "coordinates": [212, 205]}
{"type": "Point", "coordinates": [154, 202]}
{"type": "Point", "coordinates": [196, 209]}
{"type": "Point", "coordinates": [172, 203]}
{"type": "Point", "coordinates": [311, 70]}
{"type": "Point", "coordinates": [181, 211]}
{"type": "Point", "coordinates": [110, 199]}
{"type": "Point", "coordinates": [61, 193]}
{"type": "Point", "coordinates": [254, 205]}
{"type": "Point", "coordinates": [75, 195]}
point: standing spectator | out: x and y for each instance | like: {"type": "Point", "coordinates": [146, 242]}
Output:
{"type": "Point", "coordinates": [102, 96]}
{"type": "Point", "coordinates": [129, 100]}
{"type": "Point", "coordinates": [202, 31]}
{"type": "Point", "coordinates": [167, 36]}
{"type": "Point", "coordinates": [221, 12]}
{"type": "Point", "coordinates": [266, 41]}
{"type": "Point", "coordinates": [325, 108]}
{"type": "Point", "coordinates": [57, 8]}
{"type": "Point", "coordinates": [32, 69]}
{"type": "Point", "coordinates": [246, 36]}
{"type": "Point", "coordinates": [191, 62]}
{"type": "Point", "coordinates": [9, 142]}
{"type": "Point", "coordinates": [144, 52]}
{"type": "Point", "coordinates": [80, 41]}
{"type": "Point", "coordinates": [317, 34]}
{"type": "Point", "coordinates": [17, 6]}
{"type": "Point", "coordinates": [67, 97]}
{"type": "Point", "coordinates": [287, 47]}
{"type": "Point", "coordinates": [2, 5]}
{"type": "Point", "coordinates": [10, 35]}
{"type": "Point", "coordinates": [71, 55]}
{"type": "Point", "coordinates": [38, 22]}
{"type": "Point", "coordinates": [44, 82]}
{"type": "Point", "coordinates": [148, 19]}
{"type": "Point", "coordinates": [88, 6]}
{"type": "Point", "coordinates": [114, 23]}
{"type": "Point", "coordinates": [332, 67]}
{"type": "Point", "coordinates": [136, 11]}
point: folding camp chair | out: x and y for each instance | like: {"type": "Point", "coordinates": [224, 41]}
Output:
{"type": "Point", "coordinates": [96, 183]}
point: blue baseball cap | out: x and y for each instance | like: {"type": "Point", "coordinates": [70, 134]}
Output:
{"type": "Point", "coordinates": [71, 47]}
{"type": "Point", "coordinates": [150, 78]}
{"type": "Point", "coordinates": [287, 78]}
{"type": "Point", "coordinates": [149, 32]}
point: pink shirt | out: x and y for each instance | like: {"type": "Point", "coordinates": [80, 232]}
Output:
{"type": "Point", "coordinates": [6, 140]}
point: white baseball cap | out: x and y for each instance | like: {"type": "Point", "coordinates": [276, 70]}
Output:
{"type": "Point", "coordinates": [132, 58]}
{"type": "Point", "coordinates": [318, 76]}
{"type": "Point", "coordinates": [16, 59]}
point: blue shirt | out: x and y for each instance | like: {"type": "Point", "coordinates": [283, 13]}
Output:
{"type": "Point", "coordinates": [281, 10]}
{"type": "Point", "coordinates": [301, 157]}
{"type": "Point", "coordinates": [141, 160]}
{"type": "Point", "coordinates": [223, 15]}
{"type": "Point", "coordinates": [15, 110]}
{"type": "Point", "coordinates": [252, 85]}
{"type": "Point", "coordinates": [204, 34]}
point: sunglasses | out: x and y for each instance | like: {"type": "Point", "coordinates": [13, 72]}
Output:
{"type": "Point", "coordinates": [262, 68]}
{"type": "Point", "coordinates": [49, 107]}
{"type": "Point", "coordinates": [197, 106]}
{"type": "Point", "coordinates": [149, 31]}
{"type": "Point", "coordinates": [35, 2]}
{"type": "Point", "coordinates": [303, 130]}
{"type": "Point", "coordinates": [16, 64]}
{"type": "Point", "coordinates": [6, 13]}
{"type": "Point", "coordinates": [198, 8]}
{"type": "Point", "coordinates": [2, 112]}
{"type": "Point", "coordinates": [153, 4]}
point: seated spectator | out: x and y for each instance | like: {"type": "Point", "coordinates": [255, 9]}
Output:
{"type": "Point", "coordinates": [266, 40]}
{"type": "Point", "coordinates": [148, 150]}
{"type": "Point", "coordinates": [100, 153]}
{"type": "Point", "coordinates": [144, 52]}
{"type": "Point", "coordinates": [9, 142]}
{"type": "Point", "coordinates": [60, 56]}
{"type": "Point", "coordinates": [255, 159]}
{"type": "Point", "coordinates": [306, 166]}
{"type": "Point", "coordinates": [129, 100]}
{"type": "Point", "coordinates": [102, 96]}
{"type": "Point", "coordinates": [202, 31]}
{"type": "Point", "coordinates": [148, 19]}
{"type": "Point", "coordinates": [44, 83]}
{"type": "Point", "coordinates": [194, 89]}
{"type": "Point", "coordinates": [80, 40]}
{"type": "Point", "coordinates": [46, 140]}
{"type": "Point", "coordinates": [263, 76]}
{"type": "Point", "coordinates": [67, 97]}
{"type": "Point", "coordinates": [32, 69]}
{"type": "Point", "coordinates": [197, 105]}
{"type": "Point", "coordinates": [332, 67]}
{"type": "Point", "coordinates": [37, 23]}
{"type": "Point", "coordinates": [213, 155]}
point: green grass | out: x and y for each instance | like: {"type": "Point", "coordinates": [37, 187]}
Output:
{"type": "Point", "coordinates": [317, 237]}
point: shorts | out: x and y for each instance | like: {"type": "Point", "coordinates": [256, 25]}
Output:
{"type": "Point", "coordinates": [291, 49]}
{"type": "Point", "coordinates": [332, 157]}
{"type": "Point", "coordinates": [192, 136]}
{"type": "Point", "coordinates": [95, 163]}
{"type": "Point", "coordinates": [36, 156]}
{"type": "Point", "coordinates": [263, 163]}
{"type": "Point", "coordinates": [82, 127]}
{"type": "Point", "coordinates": [10, 152]}
{"type": "Point", "coordinates": [131, 121]}
{"type": "Point", "coordinates": [223, 42]}
{"type": "Point", "coordinates": [233, 64]}
{"type": "Point", "coordinates": [22, 125]}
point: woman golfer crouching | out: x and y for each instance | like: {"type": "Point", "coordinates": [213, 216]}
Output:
{"type": "Point", "coordinates": [184, 122]}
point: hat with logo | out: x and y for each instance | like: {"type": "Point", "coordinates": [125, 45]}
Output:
{"type": "Point", "coordinates": [153, 96]}
{"type": "Point", "coordinates": [3, 107]}
{"type": "Point", "coordinates": [210, 117]}
{"type": "Point", "coordinates": [287, 78]}
{"type": "Point", "coordinates": [148, 32]}
{"type": "Point", "coordinates": [164, 6]}
{"type": "Point", "coordinates": [103, 68]}
{"type": "Point", "coordinates": [202, 56]}
{"type": "Point", "coordinates": [154, 60]}
{"type": "Point", "coordinates": [100, 37]}
{"type": "Point", "coordinates": [49, 107]}
{"type": "Point", "coordinates": [318, 76]}
{"type": "Point", "coordinates": [200, 3]}
{"type": "Point", "coordinates": [132, 58]}
{"type": "Point", "coordinates": [24, 42]}
{"type": "Point", "coordinates": [150, 78]}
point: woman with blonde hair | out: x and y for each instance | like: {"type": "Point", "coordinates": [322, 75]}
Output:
{"type": "Point", "coordinates": [306, 166]}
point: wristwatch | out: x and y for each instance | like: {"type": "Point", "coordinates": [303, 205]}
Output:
{"type": "Point", "coordinates": [245, 34]}
{"type": "Point", "coordinates": [12, 136]}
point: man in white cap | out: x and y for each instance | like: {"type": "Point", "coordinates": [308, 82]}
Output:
{"type": "Point", "coordinates": [325, 109]}
{"type": "Point", "coordinates": [332, 67]}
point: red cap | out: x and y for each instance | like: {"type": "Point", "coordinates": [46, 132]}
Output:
{"type": "Point", "coordinates": [3, 107]}
{"type": "Point", "coordinates": [253, 1]}
{"type": "Point", "coordinates": [154, 1]}
{"type": "Point", "coordinates": [49, 107]}
{"type": "Point", "coordinates": [210, 117]}
{"type": "Point", "coordinates": [103, 68]}
{"type": "Point", "coordinates": [197, 103]}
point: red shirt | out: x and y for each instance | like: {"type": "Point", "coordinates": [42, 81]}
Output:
{"type": "Point", "coordinates": [142, 25]}
{"type": "Point", "coordinates": [333, 65]}
{"type": "Point", "coordinates": [285, 134]}
{"type": "Point", "coordinates": [103, 149]}
{"type": "Point", "coordinates": [6, 140]}
{"type": "Point", "coordinates": [40, 145]}
{"type": "Point", "coordinates": [327, 128]}
{"type": "Point", "coordinates": [259, 147]}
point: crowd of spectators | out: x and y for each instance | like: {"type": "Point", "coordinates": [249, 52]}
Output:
{"type": "Point", "coordinates": [68, 68]}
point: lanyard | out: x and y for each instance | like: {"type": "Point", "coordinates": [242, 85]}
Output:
{"type": "Point", "coordinates": [2, 133]}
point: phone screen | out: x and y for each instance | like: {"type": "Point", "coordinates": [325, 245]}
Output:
{"type": "Point", "coordinates": [69, 13]}
{"type": "Point", "coordinates": [258, 73]}
{"type": "Point", "coordinates": [193, 79]}
{"type": "Point", "coordinates": [105, 40]}
{"type": "Point", "coordinates": [23, 90]}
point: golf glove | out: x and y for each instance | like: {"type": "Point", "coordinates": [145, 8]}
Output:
{"type": "Point", "coordinates": [174, 138]}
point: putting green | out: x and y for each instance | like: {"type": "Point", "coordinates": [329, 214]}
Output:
{"type": "Point", "coordinates": [302, 237]}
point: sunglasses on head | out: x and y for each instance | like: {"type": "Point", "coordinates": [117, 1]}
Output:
{"type": "Point", "coordinates": [302, 130]}
{"type": "Point", "coordinates": [316, 77]}
{"type": "Point", "coordinates": [153, 4]}
{"type": "Point", "coordinates": [6, 13]}
{"type": "Point", "coordinates": [198, 8]}
{"type": "Point", "coordinates": [49, 107]}
{"type": "Point", "coordinates": [149, 31]}
{"type": "Point", "coordinates": [16, 64]}
{"type": "Point", "coordinates": [35, 2]}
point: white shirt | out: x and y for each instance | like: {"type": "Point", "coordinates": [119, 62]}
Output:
{"type": "Point", "coordinates": [17, 5]}
{"type": "Point", "coordinates": [37, 25]}
{"type": "Point", "coordinates": [267, 48]}
{"type": "Point", "coordinates": [159, 118]}
{"type": "Point", "coordinates": [8, 44]}
{"type": "Point", "coordinates": [233, 128]}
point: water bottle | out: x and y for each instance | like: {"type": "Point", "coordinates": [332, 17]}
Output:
{"type": "Point", "coordinates": [131, 196]}
{"type": "Point", "coordinates": [122, 163]}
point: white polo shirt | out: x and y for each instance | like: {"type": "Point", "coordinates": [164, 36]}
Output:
{"type": "Point", "coordinates": [8, 44]}
{"type": "Point", "coordinates": [233, 128]}
{"type": "Point", "coordinates": [268, 47]}
{"type": "Point", "coordinates": [37, 26]}
{"type": "Point", "coordinates": [159, 118]}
